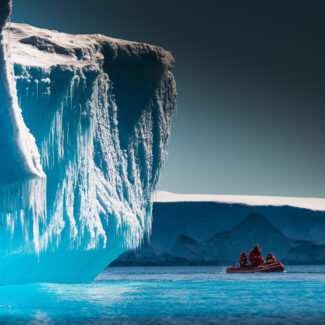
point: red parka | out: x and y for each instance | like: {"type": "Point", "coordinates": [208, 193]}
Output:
{"type": "Point", "coordinates": [255, 256]}
{"type": "Point", "coordinates": [270, 258]}
{"type": "Point", "coordinates": [243, 261]}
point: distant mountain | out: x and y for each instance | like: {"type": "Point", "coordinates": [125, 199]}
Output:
{"type": "Point", "coordinates": [201, 220]}
{"type": "Point", "coordinates": [147, 256]}
{"type": "Point", "coordinates": [201, 229]}
{"type": "Point", "coordinates": [305, 252]}
{"type": "Point", "coordinates": [225, 247]}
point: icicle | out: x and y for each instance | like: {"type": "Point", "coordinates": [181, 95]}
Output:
{"type": "Point", "coordinates": [23, 205]}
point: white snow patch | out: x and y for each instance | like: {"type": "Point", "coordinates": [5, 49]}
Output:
{"type": "Point", "coordinates": [315, 204]}
{"type": "Point", "coordinates": [36, 47]}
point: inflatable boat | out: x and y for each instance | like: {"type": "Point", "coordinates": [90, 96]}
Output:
{"type": "Point", "coordinates": [274, 267]}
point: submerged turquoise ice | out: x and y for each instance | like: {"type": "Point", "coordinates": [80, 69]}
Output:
{"type": "Point", "coordinates": [84, 126]}
{"type": "Point", "coordinates": [173, 295]}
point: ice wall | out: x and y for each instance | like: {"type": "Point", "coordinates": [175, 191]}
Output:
{"type": "Point", "coordinates": [99, 111]}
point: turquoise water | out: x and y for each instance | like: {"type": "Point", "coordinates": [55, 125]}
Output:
{"type": "Point", "coordinates": [173, 295]}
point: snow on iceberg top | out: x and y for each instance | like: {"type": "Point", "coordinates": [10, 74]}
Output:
{"type": "Point", "coordinates": [314, 204]}
{"type": "Point", "coordinates": [31, 46]}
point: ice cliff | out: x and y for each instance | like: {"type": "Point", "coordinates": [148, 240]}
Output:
{"type": "Point", "coordinates": [84, 126]}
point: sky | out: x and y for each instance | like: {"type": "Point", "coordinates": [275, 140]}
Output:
{"type": "Point", "coordinates": [251, 85]}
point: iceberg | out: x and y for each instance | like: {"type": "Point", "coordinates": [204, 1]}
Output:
{"type": "Point", "coordinates": [84, 128]}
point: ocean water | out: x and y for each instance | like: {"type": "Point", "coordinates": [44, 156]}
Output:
{"type": "Point", "coordinates": [172, 295]}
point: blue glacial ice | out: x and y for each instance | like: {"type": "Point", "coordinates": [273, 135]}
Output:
{"type": "Point", "coordinates": [84, 127]}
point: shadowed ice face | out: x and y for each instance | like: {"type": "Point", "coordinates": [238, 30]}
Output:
{"type": "Point", "coordinates": [5, 9]}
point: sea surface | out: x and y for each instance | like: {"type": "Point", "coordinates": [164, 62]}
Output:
{"type": "Point", "coordinates": [172, 295]}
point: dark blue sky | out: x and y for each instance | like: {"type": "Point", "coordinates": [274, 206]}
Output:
{"type": "Point", "coordinates": [251, 83]}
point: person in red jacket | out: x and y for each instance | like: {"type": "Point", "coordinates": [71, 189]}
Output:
{"type": "Point", "coordinates": [255, 256]}
{"type": "Point", "coordinates": [270, 259]}
{"type": "Point", "coordinates": [243, 261]}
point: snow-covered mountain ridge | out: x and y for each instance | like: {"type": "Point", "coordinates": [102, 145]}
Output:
{"type": "Point", "coordinates": [315, 204]}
